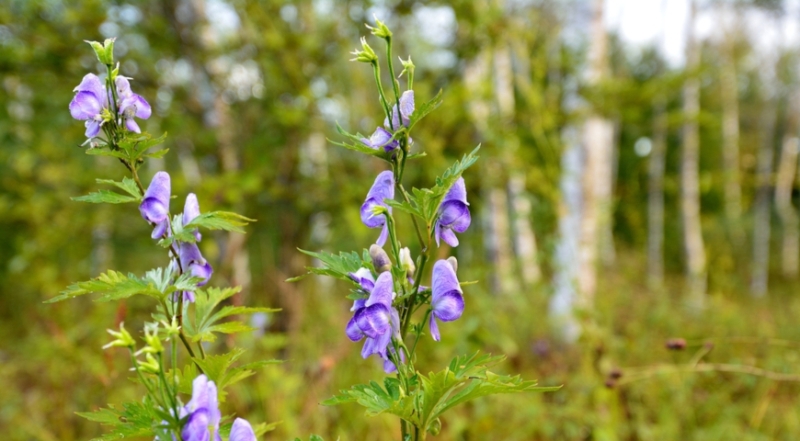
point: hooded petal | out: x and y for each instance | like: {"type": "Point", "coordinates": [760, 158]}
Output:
{"type": "Point", "coordinates": [374, 320]}
{"type": "Point", "coordinates": [406, 109]}
{"type": "Point", "coordinates": [382, 188]}
{"type": "Point", "coordinates": [203, 270]}
{"type": "Point", "coordinates": [455, 215]}
{"type": "Point", "coordinates": [381, 138]}
{"type": "Point", "coordinates": [383, 291]}
{"type": "Point", "coordinates": [91, 83]}
{"type": "Point", "coordinates": [143, 109]}
{"type": "Point", "coordinates": [449, 306]}
{"type": "Point", "coordinates": [192, 260]}
{"type": "Point", "coordinates": [123, 86]}
{"type": "Point", "coordinates": [196, 427]}
{"type": "Point", "coordinates": [458, 192]}
{"type": "Point", "coordinates": [358, 304]}
{"type": "Point", "coordinates": [191, 209]}
{"type": "Point", "coordinates": [443, 280]}
{"type": "Point", "coordinates": [85, 105]}
{"type": "Point", "coordinates": [242, 431]}
{"type": "Point", "coordinates": [155, 205]}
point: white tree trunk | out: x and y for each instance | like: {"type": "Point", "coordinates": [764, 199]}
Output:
{"type": "Point", "coordinates": [690, 171]}
{"type": "Point", "coordinates": [784, 183]}
{"type": "Point", "coordinates": [655, 198]}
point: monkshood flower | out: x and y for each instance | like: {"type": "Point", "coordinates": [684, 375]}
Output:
{"type": "Point", "coordinates": [376, 320]}
{"type": "Point", "coordinates": [406, 109]}
{"type": "Point", "coordinates": [447, 300]}
{"type": "Point", "coordinates": [193, 262]}
{"type": "Point", "coordinates": [203, 412]}
{"type": "Point", "coordinates": [131, 105]}
{"type": "Point", "coordinates": [382, 188]}
{"type": "Point", "coordinates": [453, 214]}
{"type": "Point", "coordinates": [242, 431]}
{"type": "Point", "coordinates": [191, 209]}
{"type": "Point", "coordinates": [90, 103]}
{"type": "Point", "coordinates": [364, 278]}
{"type": "Point", "coordinates": [381, 138]}
{"type": "Point", "coordinates": [155, 205]}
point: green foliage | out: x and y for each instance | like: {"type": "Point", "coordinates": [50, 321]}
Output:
{"type": "Point", "coordinates": [212, 220]}
{"type": "Point", "coordinates": [312, 438]}
{"type": "Point", "coordinates": [425, 109]}
{"type": "Point", "coordinates": [135, 419]}
{"type": "Point", "coordinates": [109, 197]}
{"type": "Point", "coordinates": [132, 149]}
{"type": "Point", "coordinates": [206, 321]}
{"type": "Point", "coordinates": [218, 368]}
{"type": "Point", "coordinates": [114, 285]}
{"type": "Point", "coordinates": [465, 379]}
{"type": "Point", "coordinates": [339, 266]}
{"type": "Point", "coordinates": [358, 146]}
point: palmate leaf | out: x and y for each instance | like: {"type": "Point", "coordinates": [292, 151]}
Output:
{"type": "Point", "coordinates": [377, 399]}
{"type": "Point", "coordinates": [128, 185]}
{"type": "Point", "coordinates": [111, 285]}
{"type": "Point", "coordinates": [339, 266]}
{"type": "Point", "coordinates": [219, 220]}
{"type": "Point", "coordinates": [206, 322]}
{"type": "Point", "coordinates": [218, 368]}
{"type": "Point", "coordinates": [133, 420]}
{"type": "Point", "coordinates": [136, 146]}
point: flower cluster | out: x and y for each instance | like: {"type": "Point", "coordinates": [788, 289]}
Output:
{"type": "Point", "coordinates": [155, 209]}
{"type": "Point", "coordinates": [94, 104]}
{"type": "Point", "coordinates": [202, 416]}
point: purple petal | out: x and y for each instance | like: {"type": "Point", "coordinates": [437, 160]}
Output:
{"type": "Point", "coordinates": [202, 270]}
{"type": "Point", "coordinates": [242, 431]}
{"type": "Point", "coordinates": [449, 306]}
{"type": "Point", "coordinates": [123, 86]}
{"type": "Point", "coordinates": [458, 192]}
{"type": "Point", "coordinates": [131, 125]}
{"type": "Point", "coordinates": [155, 206]}
{"type": "Point", "coordinates": [383, 236]}
{"type": "Point", "coordinates": [91, 83]}
{"type": "Point", "coordinates": [455, 215]}
{"type": "Point", "coordinates": [85, 105]}
{"type": "Point", "coordinates": [383, 291]}
{"type": "Point", "coordinates": [449, 237]}
{"type": "Point", "coordinates": [443, 279]}
{"type": "Point", "coordinates": [407, 106]}
{"type": "Point", "coordinates": [353, 331]}
{"type": "Point", "coordinates": [389, 367]}
{"type": "Point", "coordinates": [191, 209]}
{"type": "Point", "coordinates": [92, 128]}
{"type": "Point", "coordinates": [192, 260]}
{"type": "Point", "coordinates": [437, 232]}
{"type": "Point", "coordinates": [160, 228]}
{"type": "Point", "coordinates": [358, 304]}
{"type": "Point", "coordinates": [367, 215]}
{"type": "Point", "coordinates": [379, 138]}
{"type": "Point", "coordinates": [196, 427]}
{"type": "Point", "coordinates": [374, 320]}
{"type": "Point", "coordinates": [383, 187]}
{"type": "Point", "coordinates": [143, 109]}
{"type": "Point", "coordinates": [434, 328]}
{"type": "Point", "coordinates": [376, 345]}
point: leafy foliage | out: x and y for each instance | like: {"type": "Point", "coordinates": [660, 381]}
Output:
{"type": "Point", "coordinates": [134, 420]}
{"type": "Point", "coordinates": [425, 109]}
{"type": "Point", "coordinates": [206, 321]}
{"type": "Point", "coordinates": [218, 368]}
{"type": "Point", "coordinates": [339, 266]}
{"type": "Point", "coordinates": [212, 220]}
{"type": "Point", "coordinates": [133, 149]}
{"type": "Point", "coordinates": [109, 197]}
{"type": "Point", "coordinates": [465, 379]}
{"type": "Point", "coordinates": [114, 285]}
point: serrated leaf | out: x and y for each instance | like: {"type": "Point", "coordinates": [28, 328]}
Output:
{"type": "Point", "coordinates": [156, 154]}
{"type": "Point", "coordinates": [206, 322]}
{"type": "Point", "coordinates": [219, 220]}
{"type": "Point", "coordinates": [128, 185]}
{"type": "Point", "coordinates": [425, 109]}
{"type": "Point", "coordinates": [134, 420]}
{"type": "Point", "coordinates": [377, 399]}
{"type": "Point", "coordinates": [111, 285]}
{"type": "Point", "coordinates": [106, 152]}
{"type": "Point", "coordinates": [218, 368]}
{"type": "Point", "coordinates": [430, 205]}
{"type": "Point", "coordinates": [339, 266]}
{"type": "Point", "coordinates": [105, 197]}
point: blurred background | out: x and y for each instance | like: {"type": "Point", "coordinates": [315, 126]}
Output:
{"type": "Point", "coordinates": [637, 182]}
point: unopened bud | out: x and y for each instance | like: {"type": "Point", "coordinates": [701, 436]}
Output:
{"type": "Point", "coordinates": [453, 262]}
{"type": "Point", "coordinates": [676, 344]}
{"type": "Point", "coordinates": [123, 340]}
{"type": "Point", "coordinates": [435, 427]}
{"type": "Point", "coordinates": [367, 55]}
{"type": "Point", "coordinates": [407, 262]}
{"type": "Point", "coordinates": [150, 365]}
{"type": "Point", "coordinates": [380, 260]}
{"type": "Point", "coordinates": [154, 345]}
{"type": "Point", "coordinates": [380, 29]}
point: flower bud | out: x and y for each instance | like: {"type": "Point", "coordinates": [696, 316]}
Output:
{"type": "Point", "coordinates": [406, 262]}
{"type": "Point", "coordinates": [380, 29]}
{"type": "Point", "coordinates": [151, 365]}
{"type": "Point", "coordinates": [154, 345]}
{"type": "Point", "coordinates": [367, 55]}
{"type": "Point", "coordinates": [408, 66]}
{"type": "Point", "coordinates": [124, 339]}
{"type": "Point", "coordinates": [435, 427]}
{"type": "Point", "coordinates": [105, 51]}
{"type": "Point", "coordinates": [380, 260]}
{"type": "Point", "coordinates": [453, 262]}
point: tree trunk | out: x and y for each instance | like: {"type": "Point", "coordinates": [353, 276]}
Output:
{"type": "Point", "coordinates": [761, 220]}
{"type": "Point", "coordinates": [690, 171]}
{"type": "Point", "coordinates": [784, 183]}
{"type": "Point", "coordinates": [655, 198]}
{"type": "Point", "coordinates": [730, 130]}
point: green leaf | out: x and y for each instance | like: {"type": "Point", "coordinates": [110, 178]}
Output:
{"type": "Point", "coordinates": [134, 420]}
{"type": "Point", "coordinates": [128, 185]}
{"type": "Point", "coordinates": [218, 368]}
{"type": "Point", "coordinates": [431, 201]}
{"type": "Point", "coordinates": [378, 399]}
{"type": "Point", "coordinates": [339, 266]}
{"type": "Point", "coordinates": [425, 109]}
{"type": "Point", "coordinates": [105, 197]}
{"type": "Point", "coordinates": [206, 322]}
{"type": "Point", "coordinates": [111, 285]}
{"type": "Point", "coordinates": [219, 220]}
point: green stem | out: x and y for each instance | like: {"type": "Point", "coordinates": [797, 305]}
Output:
{"type": "Point", "coordinates": [166, 389]}
{"type": "Point", "coordinates": [144, 381]}
{"type": "Point", "coordinates": [416, 339]}
{"type": "Point", "coordinates": [377, 71]}
{"type": "Point", "coordinates": [395, 83]}
{"type": "Point", "coordinates": [202, 351]}
{"type": "Point", "coordinates": [418, 230]}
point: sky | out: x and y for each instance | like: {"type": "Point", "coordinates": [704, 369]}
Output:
{"type": "Point", "coordinates": [663, 22]}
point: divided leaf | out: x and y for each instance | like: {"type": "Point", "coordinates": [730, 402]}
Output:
{"type": "Point", "coordinates": [218, 368]}
{"type": "Point", "coordinates": [206, 321]}
{"type": "Point", "coordinates": [109, 197]}
{"type": "Point", "coordinates": [339, 266]}
{"type": "Point", "coordinates": [112, 285]}
{"type": "Point", "coordinates": [425, 109]}
{"type": "Point", "coordinates": [134, 420]}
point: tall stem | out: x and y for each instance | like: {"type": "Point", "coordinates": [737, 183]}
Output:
{"type": "Point", "coordinates": [377, 71]}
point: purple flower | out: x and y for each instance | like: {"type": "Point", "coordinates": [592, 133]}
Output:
{"type": "Point", "coordinates": [131, 105]}
{"type": "Point", "coordinates": [88, 104]}
{"type": "Point", "coordinates": [406, 109]}
{"type": "Point", "coordinates": [381, 138]}
{"type": "Point", "coordinates": [376, 319]}
{"type": "Point", "coordinates": [453, 214]}
{"type": "Point", "coordinates": [447, 301]}
{"type": "Point", "coordinates": [193, 262]}
{"type": "Point", "coordinates": [364, 278]}
{"type": "Point", "coordinates": [155, 205]}
{"type": "Point", "coordinates": [242, 431]}
{"type": "Point", "coordinates": [382, 188]}
{"type": "Point", "coordinates": [203, 412]}
{"type": "Point", "coordinates": [191, 209]}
